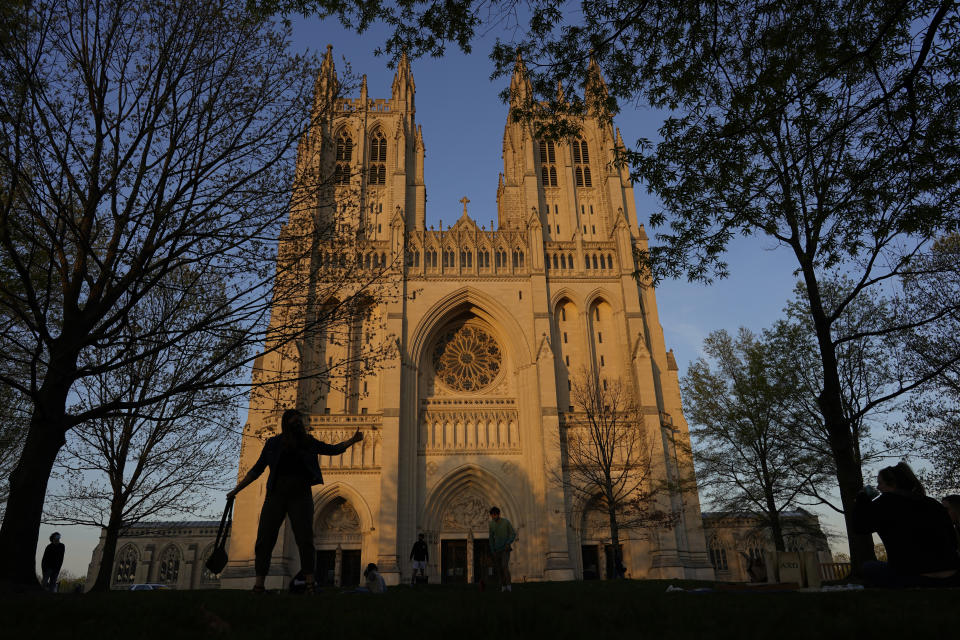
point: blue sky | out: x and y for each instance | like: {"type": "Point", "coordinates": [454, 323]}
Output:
{"type": "Point", "coordinates": [463, 118]}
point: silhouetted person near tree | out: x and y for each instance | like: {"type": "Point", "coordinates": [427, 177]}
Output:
{"type": "Point", "coordinates": [292, 458]}
{"type": "Point", "coordinates": [51, 562]}
{"type": "Point", "coordinates": [915, 529]}
{"type": "Point", "coordinates": [502, 534]}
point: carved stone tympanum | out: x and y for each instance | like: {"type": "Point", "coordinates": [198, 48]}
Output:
{"type": "Point", "coordinates": [467, 512]}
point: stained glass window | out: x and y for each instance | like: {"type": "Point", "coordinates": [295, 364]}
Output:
{"type": "Point", "coordinates": [467, 358]}
{"type": "Point", "coordinates": [125, 571]}
{"type": "Point", "coordinates": [169, 565]}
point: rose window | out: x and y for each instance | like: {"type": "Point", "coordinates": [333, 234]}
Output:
{"type": "Point", "coordinates": [467, 358]}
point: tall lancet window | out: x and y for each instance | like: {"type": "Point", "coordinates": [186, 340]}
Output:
{"type": "Point", "coordinates": [341, 173]}
{"type": "Point", "coordinates": [548, 163]}
{"type": "Point", "coordinates": [581, 162]}
{"type": "Point", "coordinates": [377, 171]}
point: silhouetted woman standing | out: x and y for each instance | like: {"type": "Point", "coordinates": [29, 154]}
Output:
{"type": "Point", "coordinates": [294, 468]}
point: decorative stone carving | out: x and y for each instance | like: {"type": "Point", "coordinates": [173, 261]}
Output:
{"type": "Point", "coordinates": [339, 517]}
{"type": "Point", "coordinates": [597, 523]}
{"type": "Point", "coordinates": [432, 468]}
{"type": "Point", "coordinates": [467, 358]}
{"type": "Point", "coordinates": [466, 512]}
{"type": "Point", "coordinates": [476, 430]}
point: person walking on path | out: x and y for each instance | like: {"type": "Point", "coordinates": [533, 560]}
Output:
{"type": "Point", "coordinates": [51, 562]}
{"type": "Point", "coordinates": [419, 554]}
{"type": "Point", "coordinates": [501, 536]}
{"type": "Point", "coordinates": [292, 458]}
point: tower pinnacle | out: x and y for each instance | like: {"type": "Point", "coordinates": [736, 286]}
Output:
{"type": "Point", "coordinates": [326, 87]}
{"type": "Point", "coordinates": [520, 89]}
{"type": "Point", "coordinates": [596, 89]}
{"type": "Point", "coordinates": [404, 87]}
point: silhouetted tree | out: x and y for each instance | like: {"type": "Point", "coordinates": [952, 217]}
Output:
{"type": "Point", "coordinates": [607, 459]}
{"type": "Point", "coordinates": [147, 460]}
{"type": "Point", "coordinates": [12, 435]}
{"type": "Point", "coordinates": [932, 423]}
{"type": "Point", "coordinates": [148, 145]}
{"type": "Point", "coordinates": [876, 380]}
{"type": "Point", "coordinates": [749, 457]}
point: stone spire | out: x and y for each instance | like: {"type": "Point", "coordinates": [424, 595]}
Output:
{"type": "Point", "coordinates": [327, 86]}
{"type": "Point", "coordinates": [595, 76]}
{"type": "Point", "coordinates": [419, 139]}
{"type": "Point", "coordinates": [403, 86]}
{"type": "Point", "coordinates": [520, 89]}
{"type": "Point", "coordinates": [624, 168]}
{"type": "Point", "coordinates": [672, 361]}
{"type": "Point", "coordinates": [596, 90]}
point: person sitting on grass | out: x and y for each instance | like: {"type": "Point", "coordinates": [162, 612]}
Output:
{"type": "Point", "coordinates": [915, 529]}
{"type": "Point", "coordinates": [374, 581]}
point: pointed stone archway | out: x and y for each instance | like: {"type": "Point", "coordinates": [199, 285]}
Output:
{"type": "Point", "coordinates": [455, 519]}
{"type": "Point", "coordinates": [341, 534]}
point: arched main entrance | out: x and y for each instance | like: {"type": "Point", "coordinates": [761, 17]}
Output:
{"type": "Point", "coordinates": [340, 528]}
{"type": "Point", "coordinates": [456, 519]}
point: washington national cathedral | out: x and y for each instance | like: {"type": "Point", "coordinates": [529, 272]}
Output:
{"type": "Point", "coordinates": [490, 327]}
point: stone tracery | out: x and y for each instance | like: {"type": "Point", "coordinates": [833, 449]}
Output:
{"type": "Point", "coordinates": [169, 566]}
{"type": "Point", "coordinates": [467, 358]}
{"type": "Point", "coordinates": [126, 565]}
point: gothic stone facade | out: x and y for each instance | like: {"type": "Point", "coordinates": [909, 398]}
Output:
{"type": "Point", "coordinates": [490, 326]}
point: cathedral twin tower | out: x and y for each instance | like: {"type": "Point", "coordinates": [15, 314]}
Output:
{"type": "Point", "coordinates": [487, 329]}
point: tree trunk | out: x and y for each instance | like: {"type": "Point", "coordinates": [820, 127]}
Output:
{"type": "Point", "coordinates": [105, 573]}
{"type": "Point", "coordinates": [850, 480]}
{"type": "Point", "coordinates": [28, 489]}
{"type": "Point", "coordinates": [614, 540]}
{"type": "Point", "coordinates": [849, 473]}
{"type": "Point", "coordinates": [776, 527]}
{"type": "Point", "coordinates": [772, 513]}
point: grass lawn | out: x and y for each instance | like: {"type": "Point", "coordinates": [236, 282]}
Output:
{"type": "Point", "coordinates": [580, 610]}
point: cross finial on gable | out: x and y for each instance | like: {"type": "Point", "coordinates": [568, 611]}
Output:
{"type": "Point", "coordinates": [464, 200]}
